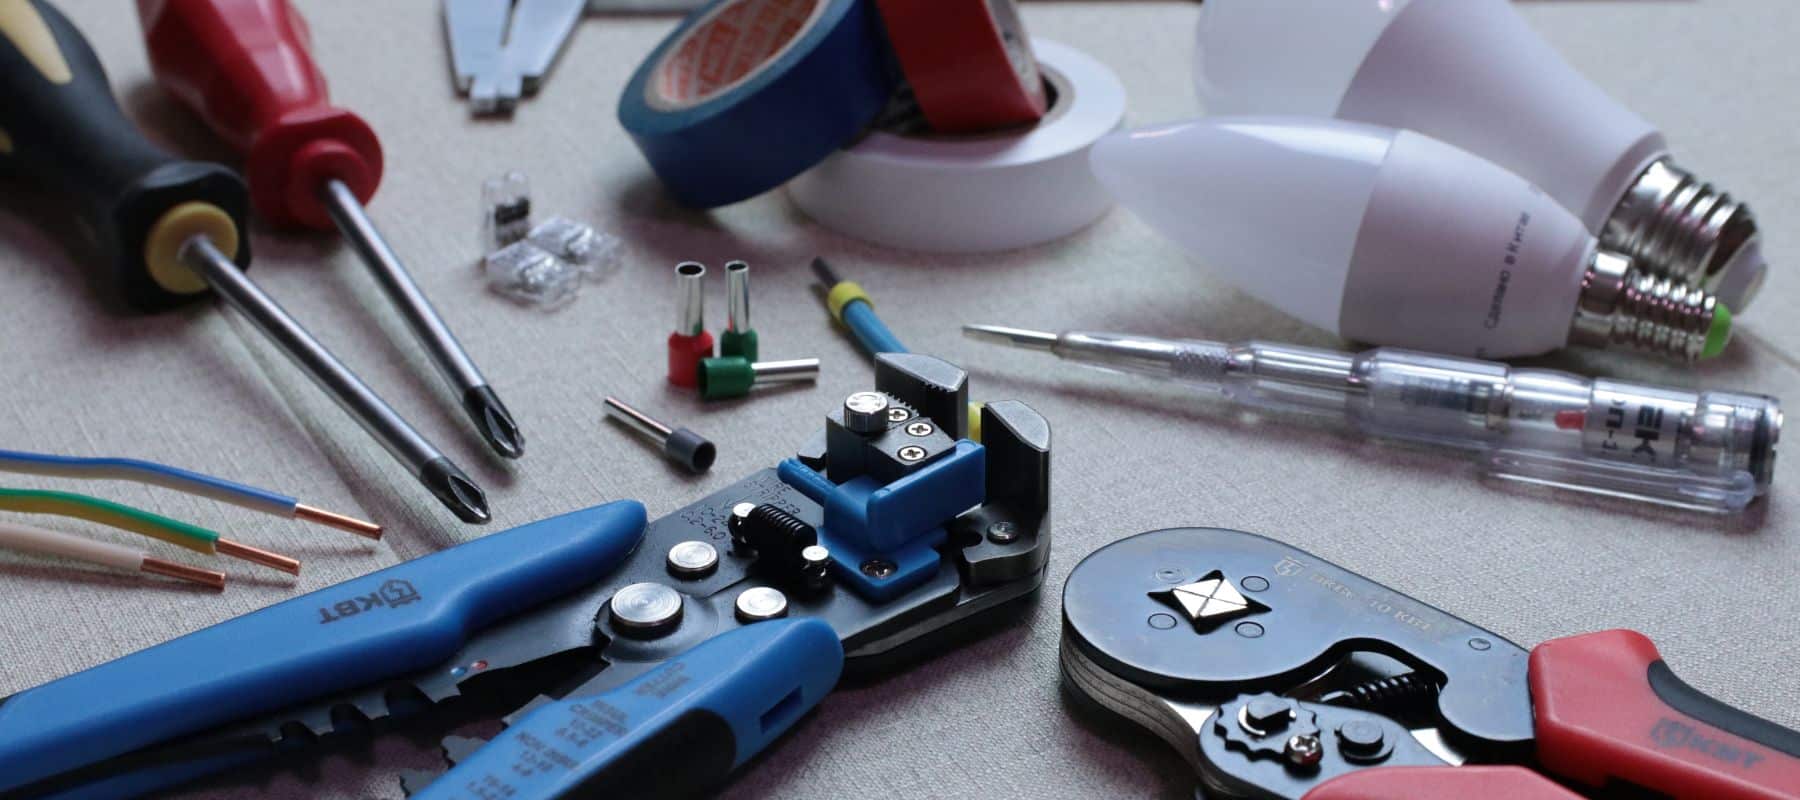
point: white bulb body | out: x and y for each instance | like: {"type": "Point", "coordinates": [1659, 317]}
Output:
{"type": "Point", "coordinates": [1381, 236]}
{"type": "Point", "coordinates": [1468, 72]}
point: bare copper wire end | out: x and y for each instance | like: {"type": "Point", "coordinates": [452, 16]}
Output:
{"type": "Point", "coordinates": [367, 530]}
{"type": "Point", "coordinates": [226, 547]}
{"type": "Point", "coordinates": [204, 577]}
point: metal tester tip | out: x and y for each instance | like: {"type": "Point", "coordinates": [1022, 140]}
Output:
{"type": "Point", "coordinates": [1014, 337]}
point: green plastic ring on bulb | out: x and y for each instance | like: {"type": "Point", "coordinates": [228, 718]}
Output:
{"type": "Point", "coordinates": [727, 376]}
{"type": "Point", "coordinates": [1719, 334]}
{"type": "Point", "coordinates": [738, 343]}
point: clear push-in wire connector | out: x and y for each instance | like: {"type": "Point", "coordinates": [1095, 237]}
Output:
{"type": "Point", "coordinates": [1705, 451]}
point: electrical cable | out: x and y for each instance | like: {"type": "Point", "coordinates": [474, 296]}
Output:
{"type": "Point", "coordinates": [853, 307]}
{"type": "Point", "coordinates": [155, 526]}
{"type": "Point", "coordinates": [181, 480]}
{"type": "Point", "coordinates": [56, 543]}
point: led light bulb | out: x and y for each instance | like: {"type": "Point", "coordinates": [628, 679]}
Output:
{"type": "Point", "coordinates": [1394, 238]}
{"type": "Point", "coordinates": [1473, 74]}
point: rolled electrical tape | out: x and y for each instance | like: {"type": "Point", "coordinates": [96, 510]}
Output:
{"type": "Point", "coordinates": [969, 63]}
{"type": "Point", "coordinates": [974, 194]}
{"type": "Point", "coordinates": [746, 94]}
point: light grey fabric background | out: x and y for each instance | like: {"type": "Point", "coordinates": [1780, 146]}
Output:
{"type": "Point", "coordinates": [199, 388]}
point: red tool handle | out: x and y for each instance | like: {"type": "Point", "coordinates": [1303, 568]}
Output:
{"type": "Point", "coordinates": [245, 66]}
{"type": "Point", "coordinates": [1609, 710]}
{"type": "Point", "coordinates": [1437, 783]}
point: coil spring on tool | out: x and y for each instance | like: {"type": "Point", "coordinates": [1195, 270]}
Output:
{"type": "Point", "coordinates": [766, 523]}
{"type": "Point", "coordinates": [1407, 692]}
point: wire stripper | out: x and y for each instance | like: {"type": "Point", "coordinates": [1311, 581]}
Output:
{"type": "Point", "coordinates": [604, 641]}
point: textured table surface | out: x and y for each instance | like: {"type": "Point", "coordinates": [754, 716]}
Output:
{"type": "Point", "coordinates": [199, 388]}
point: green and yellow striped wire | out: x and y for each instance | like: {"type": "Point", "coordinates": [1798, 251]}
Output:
{"type": "Point", "coordinates": [138, 521]}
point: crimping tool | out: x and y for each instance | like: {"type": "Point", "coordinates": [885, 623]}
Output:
{"type": "Point", "coordinates": [621, 645]}
{"type": "Point", "coordinates": [1278, 674]}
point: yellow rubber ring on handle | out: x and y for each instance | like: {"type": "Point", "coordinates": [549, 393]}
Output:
{"type": "Point", "coordinates": [842, 295]}
{"type": "Point", "coordinates": [162, 248]}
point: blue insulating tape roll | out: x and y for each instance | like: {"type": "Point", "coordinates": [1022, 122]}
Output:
{"type": "Point", "coordinates": [819, 91]}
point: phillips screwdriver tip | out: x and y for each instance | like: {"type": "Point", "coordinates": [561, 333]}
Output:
{"type": "Point", "coordinates": [456, 491]}
{"type": "Point", "coordinates": [494, 421]}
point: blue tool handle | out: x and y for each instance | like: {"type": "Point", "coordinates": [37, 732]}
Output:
{"type": "Point", "coordinates": [870, 331]}
{"type": "Point", "coordinates": [383, 625]}
{"type": "Point", "coordinates": [676, 731]}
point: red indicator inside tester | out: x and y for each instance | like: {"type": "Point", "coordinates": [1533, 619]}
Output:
{"type": "Point", "coordinates": [1571, 420]}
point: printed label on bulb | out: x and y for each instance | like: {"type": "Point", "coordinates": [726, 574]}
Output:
{"type": "Point", "coordinates": [1458, 256]}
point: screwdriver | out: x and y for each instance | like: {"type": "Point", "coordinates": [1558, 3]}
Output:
{"type": "Point", "coordinates": [245, 66]}
{"type": "Point", "coordinates": [169, 228]}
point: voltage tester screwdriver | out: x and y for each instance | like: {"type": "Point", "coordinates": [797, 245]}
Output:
{"type": "Point", "coordinates": [245, 66]}
{"type": "Point", "coordinates": [1702, 451]}
{"type": "Point", "coordinates": [169, 228]}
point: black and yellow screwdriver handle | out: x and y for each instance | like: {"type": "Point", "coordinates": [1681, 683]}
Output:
{"type": "Point", "coordinates": [62, 130]}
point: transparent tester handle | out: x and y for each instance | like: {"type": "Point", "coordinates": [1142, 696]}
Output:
{"type": "Point", "coordinates": [1706, 451]}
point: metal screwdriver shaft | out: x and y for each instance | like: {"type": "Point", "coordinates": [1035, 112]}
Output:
{"type": "Point", "coordinates": [247, 69]}
{"type": "Point", "coordinates": [171, 228]}
{"type": "Point", "coordinates": [448, 483]}
{"type": "Point", "coordinates": [478, 399]}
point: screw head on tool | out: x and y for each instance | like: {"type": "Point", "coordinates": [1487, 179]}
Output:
{"type": "Point", "coordinates": [646, 610]}
{"type": "Point", "coordinates": [1304, 750]}
{"type": "Point", "coordinates": [878, 569]}
{"type": "Point", "coordinates": [911, 453]}
{"type": "Point", "coordinates": [760, 603]}
{"type": "Point", "coordinates": [866, 412]}
{"type": "Point", "coordinates": [898, 414]}
{"type": "Point", "coordinates": [693, 559]}
{"type": "Point", "coordinates": [1003, 532]}
{"type": "Point", "coordinates": [919, 429]}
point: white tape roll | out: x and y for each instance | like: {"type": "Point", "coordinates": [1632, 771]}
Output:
{"type": "Point", "coordinates": [977, 194]}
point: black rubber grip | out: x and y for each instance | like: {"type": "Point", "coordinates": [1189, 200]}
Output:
{"type": "Point", "coordinates": [1704, 708]}
{"type": "Point", "coordinates": [65, 134]}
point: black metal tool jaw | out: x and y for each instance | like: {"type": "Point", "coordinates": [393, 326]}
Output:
{"type": "Point", "coordinates": [691, 579]}
{"type": "Point", "coordinates": [1236, 648]}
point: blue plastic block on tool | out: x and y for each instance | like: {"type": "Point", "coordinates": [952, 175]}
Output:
{"type": "Point", "coordinates": [901, 523]}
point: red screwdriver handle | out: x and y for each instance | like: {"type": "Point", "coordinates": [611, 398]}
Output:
{"type": "Point", "coordinates": [246, 67]}
{"type": "Point", "coordinates": [1608, 709]}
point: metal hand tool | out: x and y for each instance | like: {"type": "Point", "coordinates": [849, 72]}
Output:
{"type": "Point", "coordinates": [592, 629]}
{"type": "Point", "coordinates": [245, 66]}
{"type": "Point", "coordinates": [1703, 451]}
{"type": "Point", "coordinates": [170, 229]}
{"type": "Point", "coordinates": [1278, 674]}
{"type": "Point", "coordinates": [501, 50]}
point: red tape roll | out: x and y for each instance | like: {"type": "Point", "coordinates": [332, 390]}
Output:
{"type": "Point", "coordinates": [969, 62]}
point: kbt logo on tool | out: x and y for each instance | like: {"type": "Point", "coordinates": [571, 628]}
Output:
{"type": "Point", "coordinates": [392, 594]}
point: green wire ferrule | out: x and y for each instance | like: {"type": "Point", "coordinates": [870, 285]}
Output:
{"type": "Point", "coordinates": [113, 515]}
{"type": "Point", "coordinates": [843, 294]}
{"type": "Point", "coordinates": [738, 343]}
{"type": "Point", "coordinates": [728, 376]}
